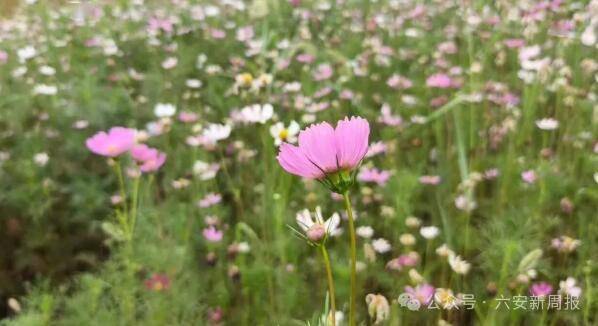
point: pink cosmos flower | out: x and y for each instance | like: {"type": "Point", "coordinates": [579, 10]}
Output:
{"type": "Point", "coordinates": [430, 179]}
{"type": "Point", "coordinates": [324, 150]}
{"type": "Point", "coordinates": [529, 176]}
{"type": "Point", "coordinates": [439, 81]}
{"type": "Point", "coordinates": [149, 159]}
{"type": "Point", "coordinates": [117, 141]}
{"type": "Point", "coordinates": [156, 24]}
{"type": "Point", "coordinates": [209, 200]}
{"type": "Point", "coordinates": [323, 72]}
{"type": "Point", "coordinates": [422, 293]}
{"type": "Point", "coordinates": [187, 117]}
{"type": "Point", "coordinates": [212, 234]}
{"type": "Point", "coordinates": [541, 289]}
{"type": "Point", "coordinates": [374, 175]}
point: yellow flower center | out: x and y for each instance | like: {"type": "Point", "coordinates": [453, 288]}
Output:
{"type": "Point", "coordinates": [246, 79]}
{"type": "Point", "coordinates": [284, 134]}
{"type": "Point", "coordinates": [158, 286]}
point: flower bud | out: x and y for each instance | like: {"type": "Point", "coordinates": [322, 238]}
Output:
{"type": "Point", "coordinates": [316, 233]}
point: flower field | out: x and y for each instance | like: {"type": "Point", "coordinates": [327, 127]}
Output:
{"type": "Point", "coordinates": [294, 162]}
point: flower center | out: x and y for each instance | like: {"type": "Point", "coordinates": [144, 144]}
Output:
{"type": "Point", "coordinates": [284, 134]}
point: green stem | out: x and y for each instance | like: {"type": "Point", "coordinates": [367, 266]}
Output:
{"type": "Point", "coordinates": [330, 284]}
{"type": "Point", "coordinates": [121, 184]}
{"type": "Point", "coordinates": [133, 217]}
{"type": "Point", "coordinates": [353, 258]}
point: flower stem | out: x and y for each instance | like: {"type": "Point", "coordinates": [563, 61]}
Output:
{"type": "Point", "coordinates": [353, 258]}
{"type": "Point", "coordinates": [330, 285]}
{"type": "Point", "coordinates": [134, 204]}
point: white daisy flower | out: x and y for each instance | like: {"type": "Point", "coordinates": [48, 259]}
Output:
{"type": "Point", "coordinates": [315, 227]}
{"type": "Point", "coordinates": [284, 134]}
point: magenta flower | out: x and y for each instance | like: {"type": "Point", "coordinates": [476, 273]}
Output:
{"type": "Point", "coordinates": [327, 154]}
{"type": "Point", "coordinates": [422, 293]}
{"type": "Point", "coordinates": [541, 289]}
{"type": "Point", "coordinates": [212, 234]}
{"type": "Point", "coordinates": [149, 159]}
{"type": "Point", "coordinates": [117, 141]}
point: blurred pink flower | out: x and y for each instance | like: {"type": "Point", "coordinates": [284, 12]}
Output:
{"type": "Point", "coordinates": [374, 175]}
{"type": "Point", "coordinates": [541, 289]}
{"type": "Point", "coordinates": [156, 24]}
{"type": "Point", "coordinates": [212, 234]}
{"type": "Point", "coordinates": [117, 141]}
{"type": "Point", "coordinates": [323, 72]}
{"type": "Point", "coordinates": [305, 58]}
{"type": "Point", "coordinates": [187, 117]}
{"type": "Point", "coordinates": [3, 57]}
{"type": "Point", "coordinates": [422, 293]}
{"type": "Point", "coordinates": [209, 200]}
{"type": "Point", "coordinates": [529, 176]}
{"type": "Point", "coordinates": [439, 81]}
{"type": "Point", "coordinates": [324, 150]}
{"type": "Point", "coordinates": [149, 159]}
{"type": "Point", "coordinates": [430, 179]}
{"type": "Point", "coordinates": [158, 282]}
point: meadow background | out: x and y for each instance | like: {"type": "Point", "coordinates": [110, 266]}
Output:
{"type": "Point", "coordinates": [483, 118]}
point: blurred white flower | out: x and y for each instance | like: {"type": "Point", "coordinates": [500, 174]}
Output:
{"type": "Point", "coordinates": [193, 83]}
{"type": "Point", "coordinates": [43, 89]}
{"type": "Point", "coordinates": [26, 53]}
{"type": "Point", "coordinates": [257, 113]}
{"type": "Point", "coordinates": [284, 134]}
{"type": "Point", "coordinates": [41, 159]}
{"type": "Point", "coordinates": [381, 245]}
{"type": "Point", "coordinates": [170, 63]}
{"type": "Point", "coordinates": [569, 287]}
{"type": "Point", "coordinates": [216, 132]}
{"type": "Point", "coordinates": [588, 37]}
{"type": "Point", "coordinates": [547, 124]}
{"type": "Point", "coordinates": [47, 70]}
{"type": "Point", "coordinates": [459, 265]}
{"type": "Point", "coordinates": [164, 110]}
{"type": "Point", "coordinates": [444, 251]}
{"type": "Point", "coordinates": [365, 231]}
{"type": "Point", "coordinates": [204, 170]}
{"type": "Point", "coordinates": [429, 232]}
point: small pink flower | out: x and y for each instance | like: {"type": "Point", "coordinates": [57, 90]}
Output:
{"type": "Point", "coordinates": [305, 58]}
{"type": "Point", "coordinates": [158, 282]}
{"type": "Point", "coordinates": [374, 175]}
{"type": "Point", "coordinates": [212, 234]}
{"type": "Point", "coordinates": [439, 81]}
{"type": "Point", "coordinates": [514, 42]}
{"type": "Point", "coordinates": [3, 57]}
{"type": "Point", "coordinates": [529, 176]}
{"type": "Point", "coordinates": [323, 72]}
{"type": "Point", "coordinates": [210, 200]}
{"type": "Point", "coordinates": [422, 293]}
{"type": "Point", "coordinates": [117, 141]}
{"type": "Point", "coordinates": [541, 289]}
{"type": "Point", "coordinates": [149, 159]}
{"type": "Point", "coordinates": [324, 150]}
{"type": "Point", "coordinates": [430, 179]}
{"type": "Point", "coordinates": [187, 117]}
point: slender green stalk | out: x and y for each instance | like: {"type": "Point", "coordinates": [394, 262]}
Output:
{"type": "Point", "coordinates": [133, 217]}
{"type": "Point", "coordinates": [330, 284]}
{"type": "Point", "coordinates": [121, 184]}
{"type": "Point", "coordinates": [353, 259]}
